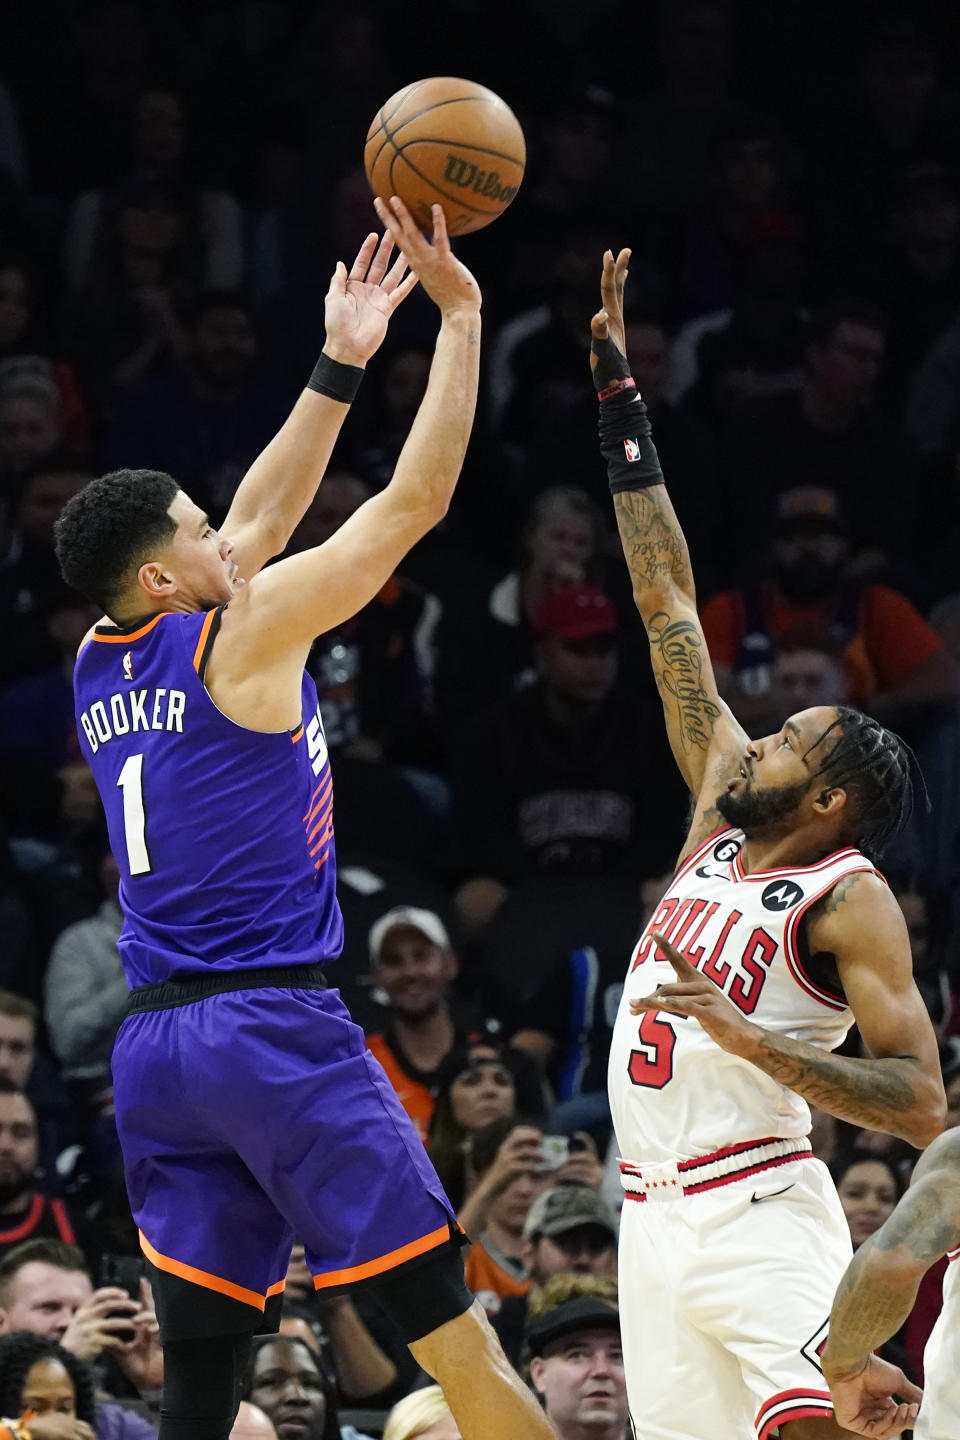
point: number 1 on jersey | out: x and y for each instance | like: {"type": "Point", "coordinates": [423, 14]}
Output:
{"type": "Point", "coordinates": [130, 781]}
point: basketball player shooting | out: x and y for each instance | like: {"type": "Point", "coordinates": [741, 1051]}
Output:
{"type": "Point", "coordinates": [247, 1107]}
{"type": "Point", "coordinates": [775, 934]}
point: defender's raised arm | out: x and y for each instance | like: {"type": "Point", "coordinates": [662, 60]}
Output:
{"type": "Point", "coordinates": [706, 740]}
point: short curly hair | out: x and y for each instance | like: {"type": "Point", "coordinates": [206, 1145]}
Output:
{"type": "Point", "coordinates": [110, 526]}
{"type": "Point", "coordinates": [20, 1351]}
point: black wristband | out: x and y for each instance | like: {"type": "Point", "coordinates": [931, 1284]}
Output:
{"type": "Point", "coordinates": [626, 444]}
{"type": "Point", "coordinates": [339, 382]}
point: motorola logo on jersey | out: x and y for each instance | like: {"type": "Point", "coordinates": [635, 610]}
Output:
{"type": "Point", "coordinates": [781, 895]}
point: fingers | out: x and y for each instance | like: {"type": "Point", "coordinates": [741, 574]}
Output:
{"type": "Point", "coordinates": [395, 274]}
{"type": "Point", "coordinates": [361, 265]}
{"type": "Point", "coordinates": [380, 261]}
{"type": "Point", "coordinates": [441, 239]}
{"type": "Point", "coordinates": [907, 1389]}
{"type": "Point", "coordinates": [598, 325]}
{"type": "Point", "coordinates": [680, 963]}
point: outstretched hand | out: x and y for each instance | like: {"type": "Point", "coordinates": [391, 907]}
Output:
{"type": "Point", "coordinates": [361, 300]}
{"type": "Point", "coordinates": [866, 1403]}
{"type": "Point", "coordinates": [608, 343]}
{"type": "Point", "coordinates": [446, 279]}
{"type": "Point", "coordinates": [700, 999]}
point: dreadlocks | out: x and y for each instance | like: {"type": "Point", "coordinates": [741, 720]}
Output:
{"type": "Point", "coordinates": [877, 769]}
{"type": "Point", "coordinates": [19, 1352]}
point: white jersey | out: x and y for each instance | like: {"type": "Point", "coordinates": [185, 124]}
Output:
{"type": "Point", "coordinates": [674, 1094]}
{"type": "Point", "coordinates": [939, 1417]}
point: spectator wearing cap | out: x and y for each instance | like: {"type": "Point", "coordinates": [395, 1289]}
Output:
{"type": "Point", "coordinates": [569, 1230]}
{"type": "Point", "coordinates": [413, 966]}
{"type": "Point", "coordinates": [576, 1367]}
{"type": "Point", "coordinates": [569, 775]}
{"type": "Point", "coordinates": [893, 663]}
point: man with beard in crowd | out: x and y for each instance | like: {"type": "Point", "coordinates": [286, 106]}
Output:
{"type": "Point", "coordinates": [26, 1212]}
{"type": "Point", "coordinates": [895, 666]}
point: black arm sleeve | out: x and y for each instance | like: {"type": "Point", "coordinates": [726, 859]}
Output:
{"type": "Point", "coordinates": [626, 444]}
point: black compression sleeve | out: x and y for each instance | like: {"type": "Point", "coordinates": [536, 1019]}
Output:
{"type": "Point", "coordinates": [626, 444]}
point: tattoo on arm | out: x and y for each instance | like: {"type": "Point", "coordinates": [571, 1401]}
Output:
{"type": "Point", "coordinates": [677, 647]}
{"type": "Point", "coordinates": [878, 1290]}
{"type": "Point", "coordinates": [875, 1094]}
{"type": "Point", "coordinates": [653, 543]}
{"type": "Point", "coordinates": [835, 897]}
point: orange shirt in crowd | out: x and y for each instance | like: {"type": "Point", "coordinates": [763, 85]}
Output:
{"type": "Point", "coordinates": [412, 1094]}
{"type": "Point", "coordinates": [488, 1279]}
{"type": "Point", "coordinates": [892, 641]}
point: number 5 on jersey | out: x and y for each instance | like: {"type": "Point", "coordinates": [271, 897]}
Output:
{"type": "Point", "coordinates": [653, 1065]}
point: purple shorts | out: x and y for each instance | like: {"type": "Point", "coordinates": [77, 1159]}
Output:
{"type": "Point", "coordinates": [251, 1117]}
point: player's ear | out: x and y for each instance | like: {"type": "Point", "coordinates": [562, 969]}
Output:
{"type": "Point", "coordinates": [156, 580]}
{"type": "Point", "coordinates": [830, 800]}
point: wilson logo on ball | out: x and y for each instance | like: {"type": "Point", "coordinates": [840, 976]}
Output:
{"type": "Point", "coordinates": [482, 182]}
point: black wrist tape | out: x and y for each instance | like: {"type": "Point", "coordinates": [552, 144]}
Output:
{"type": "Point", "coordinates": [339, 382]}
{"type": "Point", "coordinates": [626, 443]}
{"type": "Point", "coordinates": [611, 364]}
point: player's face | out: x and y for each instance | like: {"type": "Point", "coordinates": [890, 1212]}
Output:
{"type": "Point", "coordinates": [581, 1378]}
{"type": "Point", "coordinates": [44, 1299]}
{"type": "Point", "coordinates": [199, 558]}
{"type": "Point", "coordinates": [868, 1195]}
{"type": "Point", "coordinates": [287, 1385]}
{"type": "Point", "coordinates": [776, 774]}
{"type": "Point", "coordinates": [414, 972]}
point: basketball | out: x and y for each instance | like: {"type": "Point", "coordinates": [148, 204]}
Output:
{"type": "Point", "coordinates": [449, 142]}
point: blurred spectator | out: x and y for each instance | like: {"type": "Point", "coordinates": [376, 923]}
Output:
{"type": "Point", "coordinates": [569, 774]}
{"type": "Point", "coordinates": [32, 420]}
{"type": "Point", "coordinates": [576, 1366]}
{"type": "Point", "coordinates": [679, 117]}
{"type": "Point", "coordinates": [36, 711]}
{"type": "Point", "coordinates": [475, 1084]}
{"type": "Point", "coordinates": [208, 421]}
{"type": "Point", "coordinates": [25, 334]}
{"type": "Point", "coordinates": [159, 134]}
{"type": "Point", "coordinates": [289, 1385]}
{"type": "Point", "coordinates": [85, 990]}
{"type": "Point", "coordinates": [398, 387]}
{"type": "Point", "coordinates": [869, 1189]}
{"type": "Point", "coordinates": [374, 673]}
{"type": "Point", "coordinates": [748, 202]}
{"type": "Point", "coordinates": [506, 1166]}
{"type": "Point", "coordinates": [27, 1208]}
{"type": "Point", "coordinates": [46, 1288]}
{"type": "Point", "coordinates": [122, 324]}
{"type": "Point", "coordinates": [414, 966]}
{"type": "Point", "coordinates": [561, 543]}
{"type": "Point", "coordinates": [927, 916]}
{"type": "Point", "coordinates": [252, 1423]}
{"type": "Point", "coordinates": [29, 575]}
{"type": "Point", "coordinates": [915, 274]}
{"type": "Point", "coordinates": [422, 1415]}
{"type": "Point", "coordinates": [33, 1071]}
{"type": "Point", "coordinates": [569, 1230]}
{"type": "Point", "coordinates": [894, 665]}
{"type": "Point", "coordinates": [752, 349]}
{"type": "Point", "coordinates": [52, 1384]}
{"type": "Point", "coordinates": [829, 433]}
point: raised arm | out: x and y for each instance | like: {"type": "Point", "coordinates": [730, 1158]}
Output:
{"type": "Point", "coordinates": [273, 496]}
{"type": "Point", "coordinates": [270, 625]}
{"type": "Point", "coordinates": [705, 738]}
{"type": "Point", "coordinates": [880, 1286]}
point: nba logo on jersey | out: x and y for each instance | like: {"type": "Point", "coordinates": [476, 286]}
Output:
{"type": "Point", "coordinates": [128, 665]}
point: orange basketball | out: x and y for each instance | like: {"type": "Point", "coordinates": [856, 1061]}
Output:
{"type": "Point", "coordinates": [450, 142]}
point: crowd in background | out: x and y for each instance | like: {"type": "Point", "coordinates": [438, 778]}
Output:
{"type": "Point", "coordinates": [176, 184]}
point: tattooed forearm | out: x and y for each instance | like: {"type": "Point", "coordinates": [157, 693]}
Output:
{"type": "Point", "coordinates": [678, 652]}
{"type": "Point", "coordinates": [881, 1094]}
{"type": "Point", "coordinates": [878, 1290]}
{"type": "Point", "coordinates": [872, 1302]}
{"type": "Point", "coordinates": [653, 544]}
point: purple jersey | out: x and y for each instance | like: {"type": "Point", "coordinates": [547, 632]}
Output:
{"type": "Point", "coordinates": [223, 835]}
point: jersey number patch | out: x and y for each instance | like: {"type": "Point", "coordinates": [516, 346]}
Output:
{"type": "Point", "coordinates": [653, 1065]}
{"type": "Point", "coordinates": [130, 781]}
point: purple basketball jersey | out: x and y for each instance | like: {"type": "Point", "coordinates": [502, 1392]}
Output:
{"type": "Point", "coordinates": [223, 835]}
